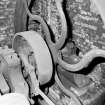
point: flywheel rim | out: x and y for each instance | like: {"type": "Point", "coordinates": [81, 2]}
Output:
{"type": "Point", "coordinates": [41, 54]}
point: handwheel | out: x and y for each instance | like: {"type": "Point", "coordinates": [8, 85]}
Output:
{"type": "Point", "coordinates": [32, 45]}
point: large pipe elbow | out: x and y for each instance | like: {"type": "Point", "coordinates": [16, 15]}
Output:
{"type": "Point", "coordinates": [86, 59]}
{"type": "Point", "coordinates": [61, 41]}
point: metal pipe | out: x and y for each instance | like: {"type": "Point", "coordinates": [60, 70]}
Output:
{"type": "Point", "coordinates": [61, 41]}
{"type": "Point", "coordinates": [63, 37]}
{"type": "Point", "coordinates": [46, 30]}
{"type": "Point", "coordinates": [45, 97]}
{"type": "Point", "coordinates": [87, 58]}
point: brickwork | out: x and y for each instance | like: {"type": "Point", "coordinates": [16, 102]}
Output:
{"type": "Point", "coordinates": [88, 27]}
{"type": "Point", "coordinates": [88, 32]}
{"type": "Point", "coordinates": [7, 9]}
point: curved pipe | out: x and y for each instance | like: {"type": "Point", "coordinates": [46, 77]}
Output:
{"type": "Point", "coordinates": [46, 30]}
{"type": "Point", "coordinates": [87, 58]}
{"type": "Point", "coordinates": [63, 37]}
{"type": "Point", "coordinates": [39, 19]}
{"type": "Point", "coordinates": [61, 42]}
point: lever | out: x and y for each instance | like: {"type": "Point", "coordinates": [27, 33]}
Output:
{"type": "Point", "coordinates": [35, 84]}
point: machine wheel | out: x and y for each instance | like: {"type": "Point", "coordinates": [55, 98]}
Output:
{"type": "Point", "coordinates": [31, 42]}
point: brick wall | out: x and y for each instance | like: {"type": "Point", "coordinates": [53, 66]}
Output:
{"type": "Point", "coordinates": [7, 9]}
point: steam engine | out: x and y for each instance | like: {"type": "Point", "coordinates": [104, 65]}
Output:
{"type": "Point", "coordinates": [52, 52]}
